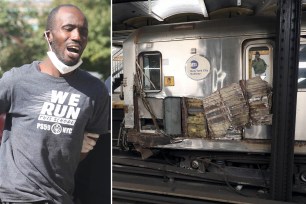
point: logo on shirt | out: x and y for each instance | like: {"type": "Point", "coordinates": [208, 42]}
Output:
{"type": "Point", "coordinates": [56, 128]}
{"type": "Point", "coordinates": [62, 110]}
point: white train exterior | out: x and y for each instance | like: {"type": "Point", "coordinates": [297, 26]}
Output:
{"type": "Point", "coordinates": [193, 60]}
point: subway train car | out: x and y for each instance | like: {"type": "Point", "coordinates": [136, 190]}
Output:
{"type": "Point", "coordinates": [192, 92]}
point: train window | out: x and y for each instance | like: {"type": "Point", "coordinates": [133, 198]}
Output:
{"type": "Point", "coordinates": [302, 67]}
{"type": "Point", "coordinates": [151, 65]}
{"type": "Point", "coordinates": [259, 62]}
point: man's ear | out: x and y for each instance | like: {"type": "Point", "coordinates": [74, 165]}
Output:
{"type": "Point", "coordinates": [48, 36]}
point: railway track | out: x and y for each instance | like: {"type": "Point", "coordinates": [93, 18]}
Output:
{"type": "Point", "coordinates": [137, 181]}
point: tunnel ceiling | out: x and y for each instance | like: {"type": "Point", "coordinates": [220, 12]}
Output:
{"type": "Point", "coordinates": [129, 15]}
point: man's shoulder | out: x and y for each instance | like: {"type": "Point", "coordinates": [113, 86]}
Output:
{"type": "Point", "coordinates": [91, 81]}
{"type": "Point", "coordinates": [20, 71]}
{"type": "Point", "coordinates": [262, 61]}
{"type": "Point", "coordinates": [24, 68]}
{"type": "Point", "coordinates": [85, 75]}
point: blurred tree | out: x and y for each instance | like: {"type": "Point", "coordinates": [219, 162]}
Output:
{"type": "Point", "coordinates": [20, 43]}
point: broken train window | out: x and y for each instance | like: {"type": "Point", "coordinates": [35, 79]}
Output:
{"type": "Point", "coordinates": [150, 62]}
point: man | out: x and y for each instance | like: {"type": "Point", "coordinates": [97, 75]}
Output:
{"type": "Point", "coordinates": [259, 65]}
{"type": "Point", "coordinates": [50, 106]}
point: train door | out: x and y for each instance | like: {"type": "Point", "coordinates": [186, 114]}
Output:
{"type": "Point", "coordinates": [149, 82]}
{"type": "Point", "coordinates": [258, 61]}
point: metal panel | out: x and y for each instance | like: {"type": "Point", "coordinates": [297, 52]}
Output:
{"type": "Point", "coordinates": [156, 106]}
{"type": "Point", "coordinates": [219, 28]}
{"type": "Point", "coordinates": [225, 66]}
{"type": "Point", "coordinates": [258, 132]}
{"type": "Point", "coordinates": [220, 145]}
{"type": "Point", "coordinates": [300, 133]}
{"type": "Point", "coordinates": [173, 117]}
{"type": "Point", "coordinates": [128, 72]}
{"type": "Point", "coordinates": [176, 47]}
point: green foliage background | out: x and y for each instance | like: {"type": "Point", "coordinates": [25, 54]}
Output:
{"type": "Point", "coordinates": [20, 43]}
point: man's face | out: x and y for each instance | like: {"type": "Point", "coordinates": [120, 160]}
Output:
{"type": "Point", "coordinates": [257, 56]}
{"type": "Point", "coordinates": [69, 35]}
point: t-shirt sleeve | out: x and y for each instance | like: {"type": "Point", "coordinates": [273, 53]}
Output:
{"type": "Point", "coordinates": [5, 92]}
{"type": "Point", "coordinates": [99, 121]}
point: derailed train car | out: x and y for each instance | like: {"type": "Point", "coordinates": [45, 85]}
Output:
{"type": "Point", "coordinates": [190, 89]}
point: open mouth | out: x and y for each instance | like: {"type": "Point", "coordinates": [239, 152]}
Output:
{"type": "Point", "coordinates": [74, 51]}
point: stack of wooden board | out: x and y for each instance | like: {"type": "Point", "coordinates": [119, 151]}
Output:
{"type": "Point", "coordinates": [259, 96]}
{"type": "Point", "coordinates": [196, 122]}
{"type": "Point", "coordinates": [224, 113]}
{"type": "Point", "coordinates": [226, 109]}
{"type": "Point", "coordinates": [216, 114]}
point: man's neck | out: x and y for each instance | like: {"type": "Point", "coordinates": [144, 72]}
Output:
{"type": "Point", "coordinates": [47, 67]}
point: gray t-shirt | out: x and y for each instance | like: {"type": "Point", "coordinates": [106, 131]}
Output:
{"type": "Point", "coordinates": [45, 124]}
